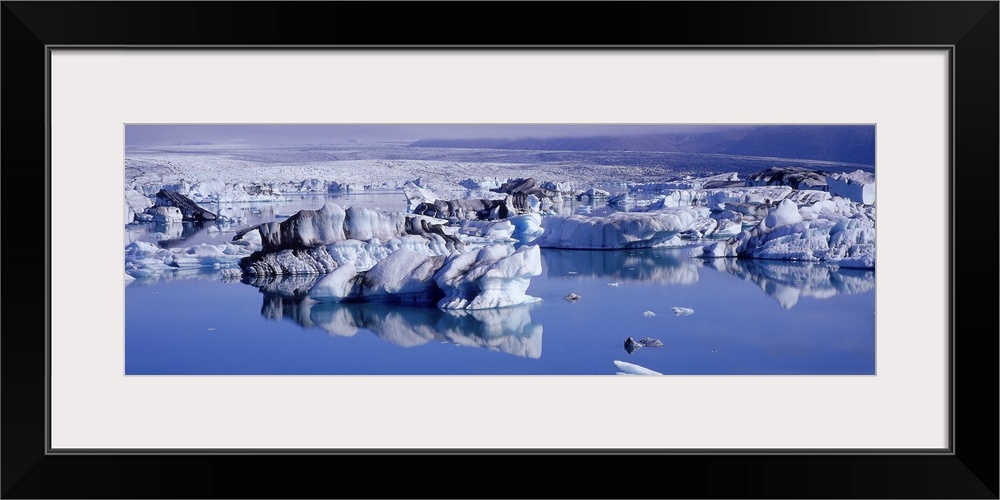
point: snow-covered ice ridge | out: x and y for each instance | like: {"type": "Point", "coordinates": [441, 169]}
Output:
{"type": "Point", "coordinates": [245, 172]}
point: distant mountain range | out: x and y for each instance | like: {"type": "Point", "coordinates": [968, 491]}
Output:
{"type": "Point", "coordinates": [836, 143]}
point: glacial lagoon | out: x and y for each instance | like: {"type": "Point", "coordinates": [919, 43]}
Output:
{"type": "Point", "coordinates": [595, 259]}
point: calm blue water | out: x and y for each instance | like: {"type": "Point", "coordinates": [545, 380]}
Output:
{"type": "Point", "coordinates": [751, 317]}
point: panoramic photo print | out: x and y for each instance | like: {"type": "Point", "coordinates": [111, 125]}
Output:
{"type": "Point", "coordinates": [499, 249]}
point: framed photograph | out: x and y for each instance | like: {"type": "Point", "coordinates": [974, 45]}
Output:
{"type": "Point", "coordinates": [717, 253]}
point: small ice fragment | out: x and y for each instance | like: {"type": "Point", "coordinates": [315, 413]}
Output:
{"type": "Point", "coordinates": [632, 369]}
{"type": "Point", "coordinates": [613, 284]}
{"type": "Point", "coordinates": [572, 296]}
{"type": "Point", "coordinates": [682, 311]}
{"type": "Point", "coordinates": [649, 314]}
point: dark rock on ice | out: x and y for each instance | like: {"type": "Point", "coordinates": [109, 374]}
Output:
{"type": "Point", "coordinates": [651, 342]}
{"type": "Point", "coordinates": [632, 345]}
{"type": "Point", "coordinates": [521, 191]}
{"type": "Point", "coordinates": [795, 177]}
{"type": "Point", "coordinates": [474, 209]}
{"type": "Point", "coordinates": [189, 209]}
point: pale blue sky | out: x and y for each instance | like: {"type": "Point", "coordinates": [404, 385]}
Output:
{"type": "Point", "coordinates": [163, 135]}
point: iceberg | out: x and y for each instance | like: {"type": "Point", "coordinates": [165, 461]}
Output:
{"type": "Point", "coordinates": [835, 230]}
{"type": "Point", "coordinates": [795, 177]}
{"type": "Point", "coordinates": [490, 277]}
{"type": "Point", "coordinates": [213, 191]}
{"type": "Point", "coordinates": [729, 179]}
{"type": "Point", "coordinates": [165, 215]}
{"type": "Point", "coordinates": [317, 241]}
{"type": "Point", "coordinates": [682, 311]}
{"type": "Point", "coordinates": [147, 260]}
{"type": "Point", "coordinates": [368, 256]}
{"type": "Point", "coordinates": [620, 229]}
{"type": "Point", "coordinates": [633, 369]}
{"type": "Point", "coordinates": [135, 203]}
{"type": "Point", "coordinates": [858, 186]}
{"type": "Point", "coordinates": [188, 208]}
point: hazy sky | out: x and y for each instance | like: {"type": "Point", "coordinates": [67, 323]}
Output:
{"type": "Point", "coordinates": [163, 135]}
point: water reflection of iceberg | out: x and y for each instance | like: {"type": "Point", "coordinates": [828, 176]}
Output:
{"type": "Point", "coordinates": [787, 281]}
{"type": "Point", "coordinates": [166, 234]}
{"type": "Point", "coordinates": [508, 330]}
{"type": "Point", "coordinates": [648, 265]}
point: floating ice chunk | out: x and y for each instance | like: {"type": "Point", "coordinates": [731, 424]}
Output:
{"type": "Point", "coordinates": [682, 311]}
{"type": "Point", "coordinates": [830, 230]}
{"type": "Point", "coordinates": [634, 369]}
{"type": "Point", "coordinates": [143, 259]}
{"type": "Point", "coordinates": [165, 214]}
{"type": "Point", "coordinates": [620, 229]}
{"type": "Point", "coordinates": [205, 255]}
{"type": "Point", "coordinates": [613, 284]}
{"type": "Point", "coordinates": [858, 186]}
{"type": "Point", "coordinates": [572, 296]}
{"type": "Point", "coordinates": [135, 203]}
{"type": "Point", "coordinates": [649, 314]}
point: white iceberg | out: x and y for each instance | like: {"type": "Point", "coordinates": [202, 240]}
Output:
{"type": "Point", "coordinates": [318, 241]}
{"type": "Point", "coordinates": [165, 214]}
{"type": "Point", "coordinates": [620, 229]}
{"type": "Point", "coordinates": [490, 277]}
{"type": "Point", "coordinates": [633, 369]}
{"type": "Point", "coordinates": [822, 232]}
{"type": "Point", "coordinates": [135, 203]}
{"type": "Point", "coordinates": [682, 311]}
{"type": "Point", "coordinates": [858, 186]}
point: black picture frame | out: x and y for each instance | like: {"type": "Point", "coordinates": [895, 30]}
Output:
{"type": "Point", "coordinates": [970, 470]}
